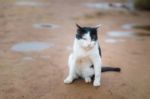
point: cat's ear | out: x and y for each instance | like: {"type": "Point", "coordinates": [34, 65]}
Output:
{"type": "Point", "coordinates": [97, 26]}
{"type": "Point", "coordinates": [78, 26]}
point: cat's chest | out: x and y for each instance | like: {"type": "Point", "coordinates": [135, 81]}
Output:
{"type": "Point", "coordinates": [83, 62]}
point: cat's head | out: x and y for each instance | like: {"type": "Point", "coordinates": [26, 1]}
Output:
{"type": "Point", "coordinates": [87, 36]}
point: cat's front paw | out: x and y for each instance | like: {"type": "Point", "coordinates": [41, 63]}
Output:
{"type": "Point", "coordinates": [68, 80]}
{"type": "Point", "coordinates": [87, 80]}
{"type": "Point", "coordinates": [96, 83]}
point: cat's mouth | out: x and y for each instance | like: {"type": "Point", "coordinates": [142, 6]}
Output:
{"type": "Point", "coordinates": [88, 47]}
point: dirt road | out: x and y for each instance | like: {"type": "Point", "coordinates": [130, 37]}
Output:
{"type": "Point", "coordinates": [36, 37]}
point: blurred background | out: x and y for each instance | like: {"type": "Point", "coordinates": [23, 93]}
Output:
{"type": "Point", "coordinates": [36, 38]}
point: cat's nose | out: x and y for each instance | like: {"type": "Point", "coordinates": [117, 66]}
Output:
{"type": "Point", "coordinates": [88, 42]}
{"type": "Point", "coordinates": [89, 45]}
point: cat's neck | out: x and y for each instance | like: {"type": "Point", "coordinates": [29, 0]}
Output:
{"type": "Point", "coordinates": [78, 48]}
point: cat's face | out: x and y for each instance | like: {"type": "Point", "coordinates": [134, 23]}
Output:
{"type": "Point", "coordinates": [86, 36]}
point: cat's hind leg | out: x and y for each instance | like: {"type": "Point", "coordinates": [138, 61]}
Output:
{"type": "Point", "coordinates": [87, 79]}
{"type": "Point", "coordinates": [87, 73]}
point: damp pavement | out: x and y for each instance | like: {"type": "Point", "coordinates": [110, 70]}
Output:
{"type": "Point", "coordinates": [28, 3]}
{"type": "Point", "coordinates": [111, 6]}
{"type": "Point", "coordinates": [45, 26]}
{"type": "Point", "coordinates": [36, 38]}
{"type": "Point", "coordinates": [31, 46]}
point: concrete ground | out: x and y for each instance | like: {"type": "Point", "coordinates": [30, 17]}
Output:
{"type": "Point", "coordinates": [33, 59]}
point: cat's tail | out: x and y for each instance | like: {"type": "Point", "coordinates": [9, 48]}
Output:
{"type": "Point", "coordinates": [107, 69]}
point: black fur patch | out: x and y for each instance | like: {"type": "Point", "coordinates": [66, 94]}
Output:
{"type": "Point", "coordinates": [115, 69]}
{"type": "Point", "coordinates": [107, 68]}
{"type": "Point", "coordinates": [100, 53]}
{"type": "Point", "coordinates": [83, 30]}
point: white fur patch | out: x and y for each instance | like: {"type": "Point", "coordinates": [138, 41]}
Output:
{"type": "Point", "coordinates": [86, 42]}
{"type": "Point", "coordinates": [81, 59]}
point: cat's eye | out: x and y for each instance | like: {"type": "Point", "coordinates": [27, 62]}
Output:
{"type": "Point", "coordinates": [93, 37]}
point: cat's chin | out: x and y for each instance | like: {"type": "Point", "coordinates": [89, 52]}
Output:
{"type": "Point", "coordinates": [87, 48]}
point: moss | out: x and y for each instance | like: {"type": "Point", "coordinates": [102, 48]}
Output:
{"type": "Point", "coordinates": [142, 4]}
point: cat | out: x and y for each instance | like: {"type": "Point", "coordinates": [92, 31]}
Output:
{"type": "Point", "coordinates": [85, 60]}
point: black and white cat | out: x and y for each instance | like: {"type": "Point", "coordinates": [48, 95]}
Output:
{"type": "Point", "coordinates": [85, 60]}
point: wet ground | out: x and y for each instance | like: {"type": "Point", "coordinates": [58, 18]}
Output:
{"type": "Point", "coordinates": [36, 37]}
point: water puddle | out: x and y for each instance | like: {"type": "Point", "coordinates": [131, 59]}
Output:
{"type": "Point", "coordinates": [110, 6]}
{"type": "Point", "coordinates": [45, 26]}
{"type": "Point", "coordinates": [28, 58]}
{"type": "Point", "coordinates": [113, 40]}
{"type": "Point", "coordinates": [29, 3]}
{"type": "Point", "coordinates": [120, 34]}
{"type": "Point", "coordinates": [134, 26]}
{"type": "Point", "coordinates": [98, 5]}
{"type": "Point", "coordinates": [127, 26]}
{"type": "Point", "coordinates": [33, 46]}
{"type": "Point", "coordinates": [45, 57]}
